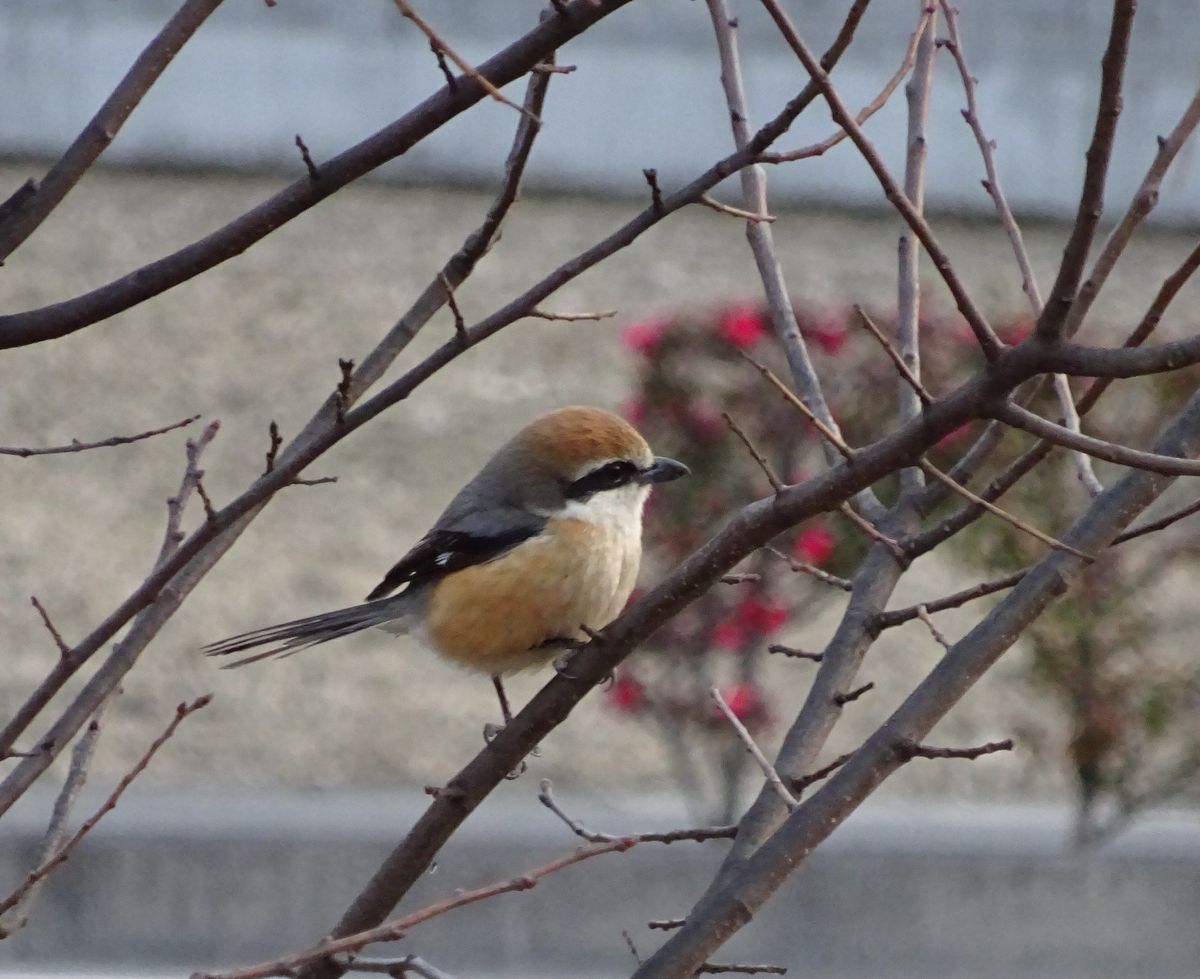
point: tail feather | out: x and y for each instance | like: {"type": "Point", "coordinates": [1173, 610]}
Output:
{"type": "Point", "coordinates": [288, 638]}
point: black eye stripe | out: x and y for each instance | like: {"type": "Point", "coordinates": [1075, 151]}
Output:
{"type": "Point", "coordinates": [609, 476]}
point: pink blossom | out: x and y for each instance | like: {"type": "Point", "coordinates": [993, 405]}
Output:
{"type": "Point", "coordinates": [761, 618]}
{"type": "Point", "coordinates": [728, 635]}
{"type": "Point", "coordinates": [829, 335]}
{"type": "Point", "coordinates": [814, 545]}
{"type": "Point", "coordinates": [742, 326]}
{"type": "Point", "coordinates": [626, 694]}
{"type": "Point", "coordinates": [643, 336]}
{"type": "Point", "coordinates": [634, 410]}
{"type": "Point", "coordinates": [745, 702]}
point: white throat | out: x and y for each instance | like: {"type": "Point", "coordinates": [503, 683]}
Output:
{"type": "Point", "coordinates": [618, 510]}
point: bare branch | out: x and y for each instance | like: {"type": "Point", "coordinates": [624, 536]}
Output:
{"type": "Point", "coordinates": [313, 173]}
{"type": "Point", "coordinates": [398, 927]}
{"type": "Point", "coordinates": [34, 207]}
{"type": "Point", "coordinates": [868, 528]}
{"type": "Point", "coordinates": [735, 212]}
{"type": "Point", "coordinates": [888, 620]}
{"type": "Point", "coordinates": [63, 648]}
{"type": "Point", "coordinates": [603, 314]}
{"type": "Point", "coordinates": [758, 457]}
{"type": "Point", "coordinates": [760, 759]}
{"type": "Point", "coordinates": [910, 403]}
{"type": "Point", "coordinates": [939, 637]}
{"type": "Point", "coordinates": [182, 712]}
{"type": "Point", "coordinates": [81, 758]}
{"type": "Point", "coordinates": [911, 749]}
{"type": "Point", "coordinates": [830, 434]}
{"type": "Point", "coordinates": [842, 699]}
{"type": "Point", "coordinates": [762, 243]}
{"type": "Point", "coordinates": [804, 781]}
{"type": "Point", "coordinates": [698, 835]}
{"type": "Point", "coordinates": [902, 368]}
{"type": "Point", "coordinates": [406, 965]}
{"type": "Point", "coordinates": [1101, 449]}
{"type": "Point", "coordinates": [440, 47]}
{"type": "Point", "coordinates": [865, 113]}
{"type": "Point", "coordinates": [1051, 325]}
{"type": "Point", "coordinates": [1144, 201]}
{"type": "Point", "coordinates": [803, 567]}
{"type": "Point", "coordinates": [793, 653]}
{"type": "Point", "coordinates": [234, 238]}
{"type": "Point", "coordinates": [656, 195]}
{"type": "Point", "coordinates": [1004, 515]}
{"type": "Point", "coordinates": [988, 341]}
{"type": "Point", "coordinates": [460, 325]}
{"type": "Point", "coordinates": [77, 446]}
{"type": "Point", "coordinates": [740, 969]}
{"type": "Point", "coordinates": [1155, 525]}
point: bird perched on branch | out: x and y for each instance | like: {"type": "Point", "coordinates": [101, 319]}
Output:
{"type": "Point", "coordinates": [541, 547]}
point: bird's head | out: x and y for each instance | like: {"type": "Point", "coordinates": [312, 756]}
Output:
{"type": "Point", "coordinates": [576, 457]}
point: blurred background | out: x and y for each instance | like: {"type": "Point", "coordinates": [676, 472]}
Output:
{"type": "Point", "coordinates": [255, 825]}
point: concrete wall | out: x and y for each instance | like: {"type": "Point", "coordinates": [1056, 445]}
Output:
{"type": "Point", "coordinates": [196, 881]}
{"type": "Point", "coordinates": [645, 93]}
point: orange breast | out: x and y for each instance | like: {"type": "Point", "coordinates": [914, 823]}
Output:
{"type": "Point", "coordinates": [492, 617]}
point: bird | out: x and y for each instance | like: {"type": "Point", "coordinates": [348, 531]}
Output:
{"type": "Point", "coordinates": [536, 552]}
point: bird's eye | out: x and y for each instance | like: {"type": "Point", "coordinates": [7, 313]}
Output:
{"type": "Point", "coordinates": [609, 476]}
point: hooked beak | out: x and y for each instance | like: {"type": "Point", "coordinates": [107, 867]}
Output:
{"type": "Point", "coordinates": [663, 470]}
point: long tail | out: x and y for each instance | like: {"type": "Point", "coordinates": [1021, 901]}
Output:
{"type": "Point", "coordinates": [288, 638]}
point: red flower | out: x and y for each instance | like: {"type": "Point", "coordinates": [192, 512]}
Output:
{"type": "Point", "coordinates": [742, 326]}
{"type": "Point", "coordinates": [745, 703]}
{"type": "Point", "coordinates": [829, 335]}
{"type": "Point", "coordinates": [626, 694]}
{"type": "Point", "coordinates": [728, 635]}
{"type": "Point", "coordinates": [643, 336]}
{"type": "Point", "coordinates": [814, 545]}
{"type": "Point", "coordinates": [761, 618]}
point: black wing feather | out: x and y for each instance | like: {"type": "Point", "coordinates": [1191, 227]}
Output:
{"type": "Point", "coordinates": [473, 538]}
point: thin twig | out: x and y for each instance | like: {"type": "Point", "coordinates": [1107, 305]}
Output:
{"type": "Point", "coordinates": [804, 781]}
{"type": "Point", "coordinates": [828, 433]}
{"type": "Point", "coordinates": [868, 528]}
{"type": "Point", "coordinates": [1004, 515]}
{"type": "Point", "coordinates": [1144, 201]}
{"type": "Point", "coordinates": [81, 757]}
{"type": "Point", "coordinates": [63, 648]}
{"type": "Point", "coordinates": [762, 243]}
{"type": "Point", "coordinates": [910, 404]}
{"type": "Point", "coordinates": [666, 924]}
{"type": "Point", "coordinates": [842, 699]}
{"type": "Point", "coordinates": [1155, 525]}
{"type": "Point", "coordinates": [894, 355]}
{"type": "Point", "coordinates": [698, 835]}
{"type": "Point", "coordinates": [313, 173]}
{"type": "Point", "coordinates": [182, 712]}
{"type": "Point", "coordinates": [740, 968]}
{"type": "Point", "coordinates": [803, 567]}
{"type": "Point", "coordinates": [103, 127]}
{"type": "Point", "coordinates": [193, 449]}
{"type": "Point", "coordinates": [741, 578]}
{"type": "Point", "coordinates": [744, 736]}
{"type": "Point", "coordinates": [758, 457]}
{"type": "Point", "coordinates": [986, 337]}
{"type": "Point", "coordinates": [793, 653]}
{"type": "Point", "coordinates": [397, 928]}
{"type": "Point", "coordinates": [77, 446]}
{"type": "Point", "coordinates": [656, 196]}
{"type": "Point", "coordinates": [460, 325]}
{"type": "Point", "coordinates": [1052, 324]}
{"type": "Point", "coordinates": [406, 965]}
{"type": "Point", "coordinates": [910, 749]}
{"type": "Point", "coordinates": [273, 448]}
{"type": "Point", "coordinates": [1010, 414]}
{"type": "Point", "coordinates": [939, 637]}
{"type": "Point", "coordinates": [865, 113]}
{"type": "Point", "coordinates": [711, 202]}
{"type": "Point", "coordinates": [437, 44]}
{"type": "Point", "coordinates": [603, 314]}
{"type": "Point", "coordinates": [888, 620]}
{"type": "Point", "coordinates": [443, 67]}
